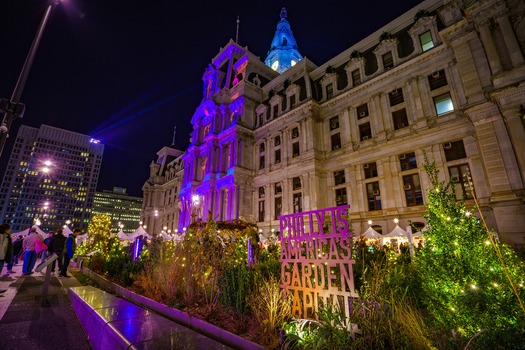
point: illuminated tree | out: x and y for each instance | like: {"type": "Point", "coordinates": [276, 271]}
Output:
{"type": "Point", "coordinates": [472, 284]}
{"type": "Point", "coordinates": [99, 235]}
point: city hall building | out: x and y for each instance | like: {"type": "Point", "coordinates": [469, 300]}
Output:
{"type": "Point", "coordinates": [446, 78]}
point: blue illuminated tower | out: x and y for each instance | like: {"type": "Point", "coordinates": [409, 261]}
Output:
{"type": "Point", "coordinates": [283, 53]}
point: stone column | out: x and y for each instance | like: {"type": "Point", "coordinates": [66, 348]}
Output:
{"type": "Point", "coordinates": [516, 130]}
{"type": "Point", "coordinates": [510, 40]}
{"type": "Point", "coordinates": [490, 48]}
{"type": "Point", "coordinates": [383, 107]}
{"type": "Point", "coordinates": [410, 100]}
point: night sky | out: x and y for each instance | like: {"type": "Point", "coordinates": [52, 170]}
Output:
{"type": "Point", "coordinates": [127, 71]}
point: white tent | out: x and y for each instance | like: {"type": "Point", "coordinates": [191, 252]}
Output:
{"type": "Point", "coordinates": [26, 231]}
{"type": "Point", "coordinates": [81, 238]}
{"type": "Point", "coordinates": [371, 233]}
{"type": "Point", "coordinates": [122, 235]}
{"type": "Point", "coordinates": [166, 236]}
{"type": "Point", "coordinates": [140, 232]}
{"type": "Point", "coordinates": [397, 232]}
{"type": "Point", "coordinates": [66, 231]}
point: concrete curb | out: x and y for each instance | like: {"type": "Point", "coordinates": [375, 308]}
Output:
{"type": "Point", "coordinates": [232, 340]}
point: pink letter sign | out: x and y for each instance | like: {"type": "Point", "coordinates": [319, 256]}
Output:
{"type": "Point", "coordinates": [316, 260]}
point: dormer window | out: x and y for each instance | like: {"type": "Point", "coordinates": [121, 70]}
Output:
{"type": "Point", "coordinates": [388, 61]}
{"type": "Point", "coordinates": [292, 101]}
{"type": "Point", "coordinates": [424, 33]}
{"type": "Point", "coordinates": [292, 93]}
{"type": "Point", "coordinates": [356, 77]}
{"type": "Point", "coordinates": [329, 84]}
{"type": "Point", "coordinates": [329, 91]}
{"type": "Point", "coordinates": [386, 52]}
{"type": "Point", "coordinates": [275, 111]}
{"type": "Point", "coordinates": [425, 40]}
{"type": "Point", "coordinates": [275, 102]}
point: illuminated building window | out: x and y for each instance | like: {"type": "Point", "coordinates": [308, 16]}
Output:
{"type": "Point", "coordinates": [443, 104]}
{"type": "Point", "coordinates": [425, 40]}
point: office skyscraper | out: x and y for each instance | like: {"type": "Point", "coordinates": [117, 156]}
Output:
{"type": "Point", "coordinates": [51, 177]}
{"type": "Point", "coordinates": [123, 209]}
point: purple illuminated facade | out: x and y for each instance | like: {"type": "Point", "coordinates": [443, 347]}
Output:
{"type": "Point", "coordinates": [353, 131]}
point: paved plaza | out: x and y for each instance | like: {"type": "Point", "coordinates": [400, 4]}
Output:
{"type": "Point", "coordinates": [28, 322]}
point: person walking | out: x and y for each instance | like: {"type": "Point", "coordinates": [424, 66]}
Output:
{"type": "Point", "coordinates": [69, 251]}
{"type": "Point", "coordinates": [56, 245]}
{"type": "Point", "coordinates": [17, 248]}
{"type": "Point", "coordinates": [6, 245]}
{"type": "Point", "coordinates": [45, 253]}
{"type": "Point", "coordinates": [28, 245]}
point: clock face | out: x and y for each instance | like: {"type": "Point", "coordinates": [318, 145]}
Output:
{"type": "Point", "coordinates": [275, 65]}
{"type": "Point", "coordinates": [293, 63]}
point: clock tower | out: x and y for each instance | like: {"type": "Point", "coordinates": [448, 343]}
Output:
{"type": "Point", "coordinates": [283, 53]}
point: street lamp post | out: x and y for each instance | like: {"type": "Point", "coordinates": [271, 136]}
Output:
{"type": "Point", "coordinates": [12, 108]}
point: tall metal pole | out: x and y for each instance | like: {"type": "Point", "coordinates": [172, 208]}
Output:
{"type": "Point", "coordinates": [13, 108]}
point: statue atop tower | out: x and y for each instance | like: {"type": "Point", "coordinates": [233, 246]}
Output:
{"type": "Point", "coordinates": [283, 53]}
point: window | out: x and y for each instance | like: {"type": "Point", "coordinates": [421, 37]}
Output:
{"type": "Point", "coordinates": [277, 156]}
{"type": "Point", "coordinates": [340, 197]}
{"type": "Point", "coordinates": [437, 80]}
{"type": "Point", "coordinates": [364, 131]}
{"type": "Point", "coordinates": [278, 207]}
{"type": "Point", "coordinates": [454, 150]}
{"type": "Point", "coordinates": [412, 189]}
{"type": "Point", "coordinates": [362, 111]}
{"type": "Point", "coordinates": [370, 170]}
{"type": "Point", "coordinates": [388, 60]}
{"type": "Point", "coordinates": [261, 210]}
{"type": "Point", "coordinates": [292, 101]}
{"type": "Point", "coordinates": [334, 123]}
{"type": "Point", "coordinates": [356, 77]}
{"type": "Point", "coordinates": [443, 104]}
{"type": "Point", "coordinates": [425, 40]}
{"type": "Point", "coordinates": [261, 192]}
{"type": "Point", "coordinates": [408, 161]}
{"type": "Point", "coordinates": [297, 202]}
{"type": "Point", "coordinates": [396, 97]}
{"type": "Point", "coordinates": [261, 162]}
{"type": "Point", "coordinates": [296, 183]}
{"type": "Point", "coordinates": [295, 133]}
{"type": "Point", "coordinates": [277, 140]}
{"type": "Point", "coordinates": [329, 91]}
{"type": "Point", "coordinates": [261, 147]}
{"type": "Point", "coordinates": [275, 110]}
{"type": "Point", "coordinates": [278, 188]}
{"type": "Point", "coordinates": [336, 141]}
{"type": "Point", "coordinates": [400, 119]}
{"type": "Point", "coordinates": [460, 174]}
{"type": "Point", "coordinates": [339, 177]}
{"type": "Point", "coordinates": [260, 119]}
{"type": "Point", "coordinates": [373, 195]}
{"type": "Point", "coordinates": [295, 150]}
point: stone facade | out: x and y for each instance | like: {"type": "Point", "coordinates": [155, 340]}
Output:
{"type": "Point", "coordinates": [446, 78]}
